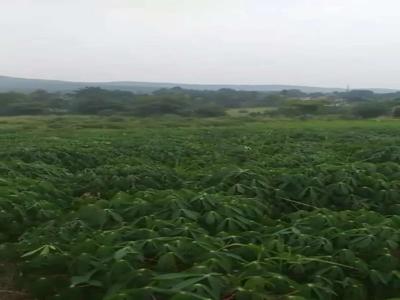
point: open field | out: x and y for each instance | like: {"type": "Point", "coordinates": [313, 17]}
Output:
{"type": "Point", "coordinates": [227, 208]}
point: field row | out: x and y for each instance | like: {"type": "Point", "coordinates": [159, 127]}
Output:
{"type": "Point", "coordinates": [186, 210]}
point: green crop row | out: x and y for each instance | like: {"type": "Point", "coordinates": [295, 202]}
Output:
{"type": "Point", "coordinates": [235, 211]}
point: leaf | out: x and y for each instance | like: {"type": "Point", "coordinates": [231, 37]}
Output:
{"type": "Point", "coordinates": [84, 279]}
{"type": "Point", "coordinates": [188, 282]}
{"type": "Point", "coordinates": [256, 283]}
{"type": "Point", "coordinates": [43, 251]}
{"type": "Point", "coordinates": [377, 277]}
{"type": "Point", "coordinates": [172, 276]}
{"type": "Point", "coordinates": [116, 217]}
{"type": "Point", "coordinates": [121, 253]}
{"type": "Point", "coordinates": [167, 263]}
{"type": "Point", "coordinates": [188, 296]}
{"type": "Point", "coordinates": [210, 218]}
{"type": "Point", "coordinates": [93, 215]}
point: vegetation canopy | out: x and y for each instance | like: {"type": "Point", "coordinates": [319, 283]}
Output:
{"type": "Point", "coordinates": [201, 103]}
{"type": "Point", "coordinates": [200, 209]}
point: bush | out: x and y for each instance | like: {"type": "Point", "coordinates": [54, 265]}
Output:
{"type": "Point", "coordinates": [369, 110]}
{"type": "Point", "coordinates": [156, 106]}
{"type": "Point", "coordinates": [210, 111]}
{"type": "Point", "coordinates": [396, 112]}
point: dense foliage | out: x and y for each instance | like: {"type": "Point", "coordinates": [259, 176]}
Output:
{"type": "Point", "coordinates": [213, 209]}
{"type": "Point", "coordinates": [198, 103]}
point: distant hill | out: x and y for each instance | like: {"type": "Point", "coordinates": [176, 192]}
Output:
{"type": "Point", "coordinates": [28, 85]}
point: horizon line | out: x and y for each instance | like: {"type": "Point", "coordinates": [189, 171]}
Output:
{"type": "Point", "coordinates": [200, 84]}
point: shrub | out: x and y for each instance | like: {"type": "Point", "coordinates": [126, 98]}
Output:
{"type": "Point", "coordinates": [210, 111]}
{"type": "Point", "coordinates": [396, 112]}
{"type": "Point", "coordinates": [369, 110]}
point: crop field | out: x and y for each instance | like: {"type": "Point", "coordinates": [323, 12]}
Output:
{"type": "Point", "coordinates": [183, 209]}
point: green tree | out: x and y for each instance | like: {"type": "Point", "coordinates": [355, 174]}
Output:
{"type": "Point", "coordinates": [95, 100]}
{"type": "Point", "coordinates": [396, 111]}
{"type": "Point", "coordinates": [369, 110]}
{"type": "Point", "coordinates": [160, 105]}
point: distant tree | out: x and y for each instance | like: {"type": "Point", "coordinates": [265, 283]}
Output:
{"type": "Point", "coordinates": [308, 108]}
{"type": "Point", "coordinates": [316, 95]}
{"type": "Point", "coordinates": [6, 98]}
{"type": "Point", "coordinates": [190, 102]}
{"type": "Point", "coordinates": [358, 95]}
{"type": "Point", "coordinates": [93, 100]}
{"type": "Point", "coordinates": [209, 111]}
{"type": "Point", "coordinates": [41, 95]}
{"type": "Point", "coordinates": [273, 100]}
{"type": "Point", "coordinates": [396, 112]}
{"type": "Point", "coordinates": [12, 103]}
{"type": "Point", "coordinates": [160, 105]}
{"type": "Point", "coordinates": [369, 110]}
{"type": "Point", "coordinates": [302, 107]}
{"type": "Point", "coordinates": [294, 93]}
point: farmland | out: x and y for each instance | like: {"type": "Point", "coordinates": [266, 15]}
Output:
{"type": "Point", "coordinates": [163, 208]}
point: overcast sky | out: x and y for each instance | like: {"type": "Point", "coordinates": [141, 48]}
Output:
{"type": "Point", "coordinates": [308, 42]}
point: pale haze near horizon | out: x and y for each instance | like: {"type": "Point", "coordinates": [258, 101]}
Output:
{"type": "Point", "coordinates": [301, 42]}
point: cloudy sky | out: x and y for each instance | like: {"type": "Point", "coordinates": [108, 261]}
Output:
{"type": "Point", "coordinates": [308, 42]}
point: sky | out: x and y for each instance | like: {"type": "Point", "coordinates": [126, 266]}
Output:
{"type": "Point", "coordinates": [331, 43]}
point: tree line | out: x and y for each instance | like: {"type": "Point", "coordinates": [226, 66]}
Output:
{"type": "Point", "coordinates": [200, 103]}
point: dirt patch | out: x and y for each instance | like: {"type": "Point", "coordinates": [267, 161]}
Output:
{"type": "Point", "coordinates": [8, 291]}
